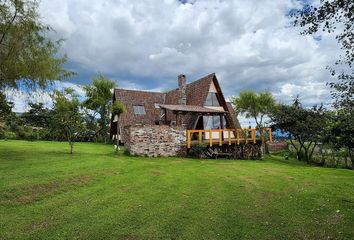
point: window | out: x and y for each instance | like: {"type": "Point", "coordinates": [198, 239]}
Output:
{"type": "Point", "coordinates": [139, 110]}
{"type": "Point", "coordinates": [211, 122]}
{"type": "Point", "coordinates": [212, 100]}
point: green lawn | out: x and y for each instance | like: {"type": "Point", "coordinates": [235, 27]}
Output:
{"type": "Point", "coordinates": [45, 193]}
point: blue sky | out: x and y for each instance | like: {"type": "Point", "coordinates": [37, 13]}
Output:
{"type": "Point", "coordinates": [146, 44]}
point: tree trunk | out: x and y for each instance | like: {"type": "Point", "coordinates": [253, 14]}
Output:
{"type": "Point", "coordinates": [266, 148]}
{"type": "Point", "coordinates": [313, 149]}
{"type": "Point", "coordinates": [71, 147]}
{"type": "Point", "coordinates": [296, 149]}
{"type": "Point", "coordinates": [117, 148]}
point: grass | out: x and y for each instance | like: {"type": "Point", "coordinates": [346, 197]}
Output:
{"type": "Point", "coordinates": [46, 193]}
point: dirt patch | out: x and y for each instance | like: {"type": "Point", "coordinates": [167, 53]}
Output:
{"type": "Point", "coordinates": [247, 180]}
{"type": "Point", "coordinates": [78, 181]}
{"type": "Point", "coordinates": [35, 192]}
{"type": "Point", "coordinates": [28, 194]}
{"type": "Point", "coordinates": [111, 172]}
{"type": "Point", "coordinates": [158, 173]}
{"type": "Point", "coordinates": [335, 219]}
{"type": "Point", "coordinates": [129, 237]}
{"type": "Point", "coordinates": [125, 189]}
{"type": "Point", "coordinates": [38, 225]}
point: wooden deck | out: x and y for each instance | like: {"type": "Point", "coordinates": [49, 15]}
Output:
{"type": "Point", "coordinates": [227, 136]}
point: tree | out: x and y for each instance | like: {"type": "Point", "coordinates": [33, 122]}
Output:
{"type": "Point", "coordinates": [117, 109]}
{"type": "Point", "coordinates": [307, 127]}
{"type": "Point", "coordinates": [5, 107]}
{"type": "Point", "coordinates": [37, 115]}
{"type": "Point", "coordinates": [67, 118]}
{"type": "Point", "coordinates": [99, 100]}
{"type": "Point", "coordinates": [341, 132]}
{"type": "Point", "coordinates": [254, 105]}
{"type": "Point", "coordinates": [26, 54]}
{"type": "Point", "coordinates": [337, 17]}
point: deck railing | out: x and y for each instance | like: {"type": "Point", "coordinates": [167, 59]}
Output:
{"type": "Point", "coordinates": [237, 136]}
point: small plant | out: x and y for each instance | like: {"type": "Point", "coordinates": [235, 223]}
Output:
{"type": "Point", "coordinates": [8, 135]}
{"type": "Point", "coordinates": [198, 150]}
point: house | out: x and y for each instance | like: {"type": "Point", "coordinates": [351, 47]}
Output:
{"type": "Point", "coordinates": [196, 105]}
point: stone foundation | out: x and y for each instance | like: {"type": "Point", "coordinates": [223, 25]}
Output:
{"type": "Point", "coordinates": [242, 151]}
{"type": "Point", "coordinates": [155, 140]}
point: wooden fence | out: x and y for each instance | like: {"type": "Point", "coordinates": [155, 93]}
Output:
{"type": "Point", "coordinates": [228, 136]}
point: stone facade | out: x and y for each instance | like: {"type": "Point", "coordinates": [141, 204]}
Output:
{"type": "Point", "coordinates": [155, 140]}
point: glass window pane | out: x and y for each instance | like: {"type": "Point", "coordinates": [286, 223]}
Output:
{"type": "Point", "coordinates": [209, 100]}
{"type": "Point", "coordinates": [140, 110]}
{"type": "Point", "coordinates": [215, 100]}
{"type": "Point", "coordinates": [216, 122]}
{"type": "Point", "coordinates": [212, 100]}
{"type": "Point", "coordinates": [208, 122]}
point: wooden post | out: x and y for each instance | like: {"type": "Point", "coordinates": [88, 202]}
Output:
{"type": "Point", "coordinates": [210, 138]}
{"type": "Point", "coordinates": [221, 122]}
{"type": "Point", "coordinates": [270, 135]}
{"type": "Point", "coordinates": [188, 139]}
{"type": "Point", "coordinates": [238, 136]}
{"type": "Point", "coordinates": [220, 137]}
{"type": "Point", "coordinates": [246, 137]}
{"type": "Point", "coordinates": [177, 119]}
{"type": "Point", "coordinates": [165, 116]}
{"type": "Point", "coordinates": [200, 136]}
{"type": "Point", "coordinates": [229, 135]}
{"type": "Point", "coordinates": [254, 135]}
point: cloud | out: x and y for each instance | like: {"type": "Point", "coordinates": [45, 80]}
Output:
{"type": "Point", "coordinates": [22, 97]}
{"type": "Point", "coordinates": [146, 44]}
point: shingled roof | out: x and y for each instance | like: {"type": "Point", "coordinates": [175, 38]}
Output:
{"type": "Point", "coordinates": [196, 91]}
{"type": "Point", "coordinates": [130, 98]}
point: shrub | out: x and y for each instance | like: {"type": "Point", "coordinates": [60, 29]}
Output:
{"type": "Point", "coordinates": [198, 150]}
{"type": "Point", "coordinates": [8, 135]}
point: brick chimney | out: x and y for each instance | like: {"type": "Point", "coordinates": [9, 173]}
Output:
{"type": "Point", "coordinates": [182, 100]}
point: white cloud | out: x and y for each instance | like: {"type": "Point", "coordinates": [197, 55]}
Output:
{"type": "Point", "coordinates": [21, 98]}
{"type": "Point", "coordinates": [249, 44]}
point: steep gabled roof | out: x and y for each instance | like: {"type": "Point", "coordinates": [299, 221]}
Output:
{"type": "Point", "coordinates": [232, 115]}
{"type": "Point", "coordinates": [196, 92]}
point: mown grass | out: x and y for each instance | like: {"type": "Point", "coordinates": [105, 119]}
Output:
{"type": "Point", "coordinates": [46, 193]}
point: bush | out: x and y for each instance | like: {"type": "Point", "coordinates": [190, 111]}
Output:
{"type": "Point", "coordinates": [31, 135]}
{"type": "Point", "coordinates": [8, 135]}
{"type": "Point", "coordinates": [43, 134]}
{"type": "Point", "coordinates": [2, 133]}
{"type": "Point", "coordinates": [198, 150]}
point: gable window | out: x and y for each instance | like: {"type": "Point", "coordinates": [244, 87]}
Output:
{"type": "Point", "coordinates": [211, 122]}
{"type": "Point", "coordinates": [212, 100]}
{"type": "Point", "coordinates": [139, 110]}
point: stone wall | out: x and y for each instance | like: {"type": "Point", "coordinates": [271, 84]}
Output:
{"type": "Point", "coordinates": [277, 146]}
{"type": "Point", "coordinates": [242, 151]}
{"type": "Point", "coordinates": [155, 140]}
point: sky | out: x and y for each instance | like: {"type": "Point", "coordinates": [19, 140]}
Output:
{"type": "Point", "coordinates": [250, 45]}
